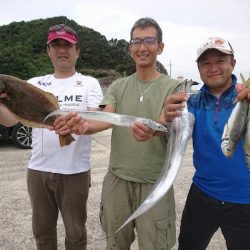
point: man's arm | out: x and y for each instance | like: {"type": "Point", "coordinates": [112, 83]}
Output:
{"type": "Point", "coordinates": [6, 117]}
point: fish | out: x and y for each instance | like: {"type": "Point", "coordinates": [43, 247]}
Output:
{"type": "Point", "coordinates": [29, 104]}
{"type": "Point", "coordinates": [246, 133]}
{"type": "Point", "coordinates": [246, 141]}
{"type": "Point", "coordinates": [180, 131]}
{"type": "Point", "coordinates": [113, 118]}
{"type": "Point", "coordinates": [235, 126]}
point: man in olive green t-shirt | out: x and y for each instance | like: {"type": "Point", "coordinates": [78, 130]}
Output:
{"type": "Point", "coordinates": [137, 154]}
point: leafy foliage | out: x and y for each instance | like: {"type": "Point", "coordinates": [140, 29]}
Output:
{"type": "Point", "coordinates": [23, 50]}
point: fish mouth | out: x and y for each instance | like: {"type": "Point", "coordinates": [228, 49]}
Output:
{"type": "Point", "coordinates": [227, 151]}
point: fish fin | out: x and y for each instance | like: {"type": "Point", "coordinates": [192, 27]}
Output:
{"type": "Point", "coordinates": [52, 98]}
{"type": "Point", "coordinates": [65, 139]}
{"type": "Point", "coordinates": [29, 123]}
{"type": "Point", "coordinates": [242, 79]}
{"type": "Point", "coordinates": [184, 86]}
{"type": "Point", "coordinates": [245, 82]}
{"type": "Point", "coordinates": [55, 112]}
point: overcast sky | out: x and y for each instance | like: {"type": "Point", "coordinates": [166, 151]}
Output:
{"type": "Point", "coordinates": [185, 24]}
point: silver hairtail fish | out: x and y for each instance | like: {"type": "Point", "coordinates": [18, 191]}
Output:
{"type": "Point", "coordinates": [246, 133]}
{"type": "Point", "coordinates": [180, 131]}
{"type": "Point", "coordinates": [114, 118]}
{"type": "Point", "coordinates": [235, 126]}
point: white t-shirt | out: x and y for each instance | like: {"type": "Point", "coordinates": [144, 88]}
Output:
{"type": "Point", "coordinates": [76, 92]}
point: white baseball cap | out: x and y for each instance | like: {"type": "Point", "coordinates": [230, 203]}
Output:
{"type": "Point", "coordinates": [215, 43]}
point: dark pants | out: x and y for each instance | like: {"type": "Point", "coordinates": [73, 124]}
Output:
{"type": "Point", "coordinates": [50, 193]}
{"type": "Point", "coordinates": [203, 215]}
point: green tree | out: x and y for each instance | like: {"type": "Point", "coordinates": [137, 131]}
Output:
{"type": "Point", "coordinates": [23, 49]}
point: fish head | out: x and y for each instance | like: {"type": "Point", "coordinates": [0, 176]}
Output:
{"type": "Point", "coordinates": [227, 147]}
{"type": "Point", "coordinates": [153, 124]}
{"type": "Point", "coordinates": [160, 127]}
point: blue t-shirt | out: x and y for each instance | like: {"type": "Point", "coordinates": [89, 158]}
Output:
{"type": "Point", "coordinates": [219, 177]}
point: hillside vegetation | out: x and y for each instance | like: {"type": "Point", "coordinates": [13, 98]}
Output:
{"type": "Point", "coordinates": [23, 50]}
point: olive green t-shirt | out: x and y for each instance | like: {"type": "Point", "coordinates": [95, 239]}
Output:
{"type": "Point", "coordinates": [129, 159]}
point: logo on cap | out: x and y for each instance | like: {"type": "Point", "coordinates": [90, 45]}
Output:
{"type": "Point", "coordinates": [62, 31]}
{"type": "Point", "coordinates": [215, 43]}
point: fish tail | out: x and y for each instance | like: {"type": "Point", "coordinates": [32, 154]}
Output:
{"type": "Point", "coordinates": [65, 139]}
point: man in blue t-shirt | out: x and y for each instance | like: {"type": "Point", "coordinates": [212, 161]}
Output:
{"type": "Point", "coordinates": [219, 196]}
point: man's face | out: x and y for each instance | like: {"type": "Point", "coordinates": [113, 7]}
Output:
{"type": "Point", "coordinates": [145, 54]}
{"type": "Point", "coordinates": [63, 54]}
{"type": "Point", "coordinates": [216, 69]}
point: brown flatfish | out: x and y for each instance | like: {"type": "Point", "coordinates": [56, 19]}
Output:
{"type": "Point", "coordinates": [29, 104]}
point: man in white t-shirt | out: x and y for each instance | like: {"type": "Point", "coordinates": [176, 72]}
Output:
{"type": "Point", "coordinates": [59, 177]}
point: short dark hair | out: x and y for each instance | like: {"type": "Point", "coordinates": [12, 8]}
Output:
{"type": "Point", "coordinates": [146, 22]}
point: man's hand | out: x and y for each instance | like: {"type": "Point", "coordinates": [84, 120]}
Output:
{"type": "Point", "coordinates": [243, 92]}
{"type": "Point", "coordinates": [141, 132]}
{"type": "Point", "coordinates": [71, 123]}
{"type": "Point", "coordinates": [173, 105]}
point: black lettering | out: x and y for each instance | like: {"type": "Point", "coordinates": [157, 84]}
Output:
{"type": "Point", "coordinates": [68, 98]}
{"type": "Point", "coordinates": [58, 99]}
{"type": "Point", "coordinates": [78, 98]}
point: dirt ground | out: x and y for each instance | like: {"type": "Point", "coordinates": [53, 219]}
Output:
{"type": "Point", "coordinates": [15, 210]}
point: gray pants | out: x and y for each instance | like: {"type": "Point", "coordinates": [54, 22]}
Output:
{"type": "Point", "coordinates": [50, 193]}
{"type": "Point", "coordinates": [155, 229]}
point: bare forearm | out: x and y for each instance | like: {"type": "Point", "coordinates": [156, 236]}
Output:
{"type": "Point", "coordinates": [95, 127]}
{"type": "Point", "coordinates": [6, 117]}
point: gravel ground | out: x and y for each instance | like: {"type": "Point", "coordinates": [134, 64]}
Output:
{"type": "Point", "coordinates": [15, 211]}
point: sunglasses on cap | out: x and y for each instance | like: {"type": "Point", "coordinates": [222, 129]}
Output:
{"type": "Point", "coordinates": [60, 27]}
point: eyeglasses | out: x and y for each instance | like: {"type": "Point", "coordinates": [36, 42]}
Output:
{"type": "Point", "coordinates": [60, 27]}
{"type": "Point", "coordinates": [148, 41]}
